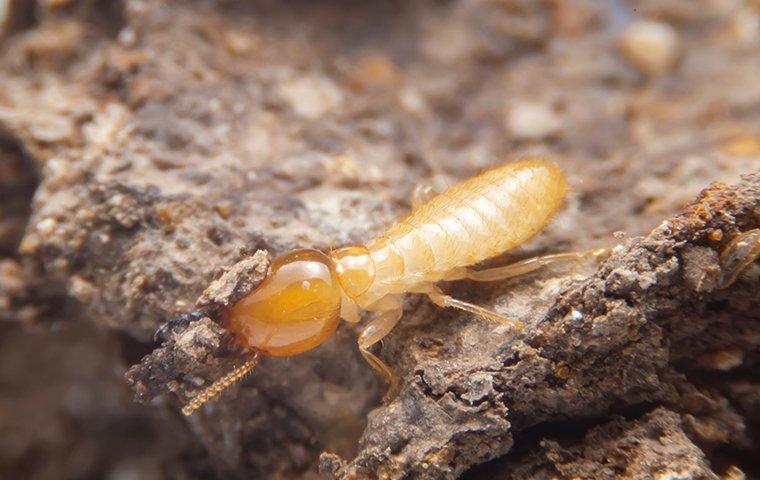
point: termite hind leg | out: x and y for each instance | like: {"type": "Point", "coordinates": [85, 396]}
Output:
{"type": "Point", "coordinates": [738, 255]}
{"type": "Point", "coordinates": [221, 385]}
{"type": "Point", "coordinates": [421, 195]}
{"type": "Point", "coordinates": [378, 365]}
{"type": "Point", "coordinates": [522, 267]}
{"type": "Point", "coordinates": [375, 331]}
{"type": "Point", "coordinates": [442, 300]}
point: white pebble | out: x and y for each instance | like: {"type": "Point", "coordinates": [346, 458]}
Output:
{"type": "Point", "coordinates": [532, 121]}
{"type": "Point", "coordinates": [311, 96]}
{"type": "Point", "coordinates": [652, 47]}
{"type": "Point", "coordinates": [46, 226]}
{"type": "Point", "coordinates": [127, 37]}
{"type": "Point", "coordinates": [412, 101]}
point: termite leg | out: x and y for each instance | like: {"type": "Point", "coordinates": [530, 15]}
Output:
{"type": "Point", "coordinates": [376, 330]}
{"type": "Point", "coordinates": [442, 300]}
{"type": "Point", "coordinates": [421, 195]}
{"type": "Point", "coordinates": [522, 267]}
{"type": "Point", "coordinates": [739, 254]}
{"type": "Point", "coordinates": [349, 311]}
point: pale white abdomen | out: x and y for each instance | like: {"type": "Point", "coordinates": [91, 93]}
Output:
{"type": "Point", "coordinates": [482, 217]}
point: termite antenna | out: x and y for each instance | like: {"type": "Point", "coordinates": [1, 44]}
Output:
{"type": "Point", "coordinates": [221, 385]}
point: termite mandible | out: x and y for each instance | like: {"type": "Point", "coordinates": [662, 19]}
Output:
{"type": "Point", "coordinates": [306, 292]}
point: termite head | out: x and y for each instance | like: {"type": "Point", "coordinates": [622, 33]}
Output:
{"type": "Point", "coordinates": [294, 309]}
{"type": "Point", "coordinates": [298, 304]}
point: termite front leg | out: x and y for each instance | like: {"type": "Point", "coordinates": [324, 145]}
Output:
{"type": "Point", "coordinates": [380, 326]}
{"type": "Point", "coordinates": [522, 267]}
{"type": "Point", "coordinates": [442, 300]}
{"type": "Point", "coordinates": [738, 255]}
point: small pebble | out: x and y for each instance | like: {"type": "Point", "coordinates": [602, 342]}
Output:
{"type": "Point", "coordinates": [685, 473]}
{"type": "Point", "coordinates": [127, 37]}
{"type": "Point", "coordinates": [46, 226]}
{"type": "Point", "coordinates": [82, 289]}
{"type": "Point", "coordinates": [411, 100]}
{"type": "Point", "coordinates": [239, 42]}
{"type": "Point", "coordinates": [374, 72]}
{"type": "Point", "coordinates": [722, 360]}
{"type": "Point", "coordinates": [223, 209]}
{"type": "Point", "coordinates": [311, 96]}
{"type": "Point", "coordinates": [532, 121]}
{"type": "Point", "coordinates": [451, 40]}
{"type": "Point", "coordinates": [652, 47]}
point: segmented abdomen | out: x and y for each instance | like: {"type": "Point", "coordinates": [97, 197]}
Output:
{"type": "Point", "coordinates": [477, 219]}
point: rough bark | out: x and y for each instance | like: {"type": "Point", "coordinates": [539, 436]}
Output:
{"type": "Point", "coordinates": [655, 446]}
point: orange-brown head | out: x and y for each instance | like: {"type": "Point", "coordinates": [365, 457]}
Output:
{"type": "Point", "coordinates": [294, 309]}
{"type": "Point", "coordinates": [298, 305]}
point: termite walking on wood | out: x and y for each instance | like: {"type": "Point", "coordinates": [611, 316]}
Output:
{"type": "Point", "coordinates": [299, 303]}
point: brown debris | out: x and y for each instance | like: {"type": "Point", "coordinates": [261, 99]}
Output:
{"type": "Point", "coordinates": [237, 281]}
{"type": "Point", "coordinates": [654, 446]}
{"type": "Point", "coordinates": [195, 346]}
{"type": "Point", "coordinates": [186, 357]}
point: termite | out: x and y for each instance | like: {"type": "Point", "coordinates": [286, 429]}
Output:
{"type": "Point", "coordinates": [306, 292]}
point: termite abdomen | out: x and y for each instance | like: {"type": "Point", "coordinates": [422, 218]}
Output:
{"type": "Point", "coordinates": [480, 218]}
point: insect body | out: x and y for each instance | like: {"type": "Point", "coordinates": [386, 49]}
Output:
{"type": "Point", "coordinates": [299, 304]}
